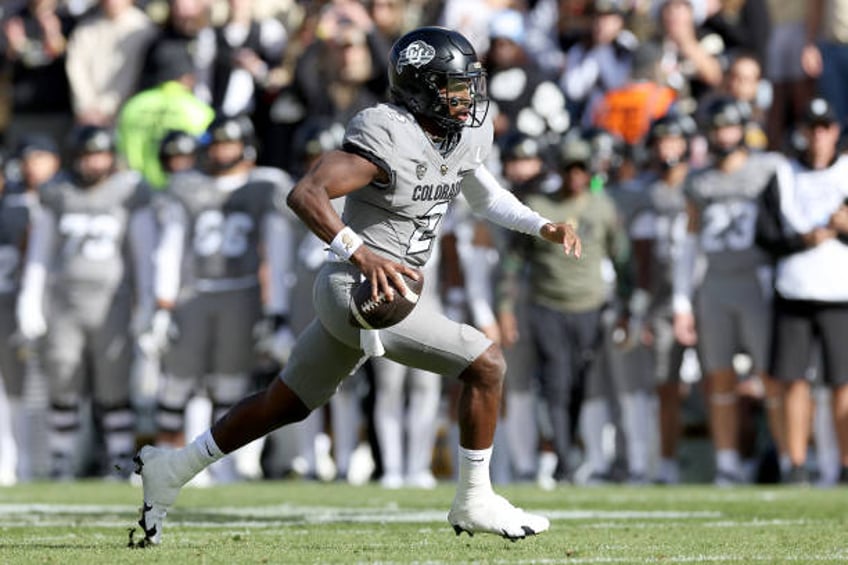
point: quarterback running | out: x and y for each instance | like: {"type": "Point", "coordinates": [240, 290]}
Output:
{"type": "Point", "coordinates": [401, 165]}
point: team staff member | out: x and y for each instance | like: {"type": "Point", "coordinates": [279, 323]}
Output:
{"type": "Point", "coordinates": [149, 115]}
{"type": "Point", "coordinates": [811, 303]}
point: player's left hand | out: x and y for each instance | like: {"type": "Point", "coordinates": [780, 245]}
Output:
{"type": "Point", "coordinates": [564, 234]}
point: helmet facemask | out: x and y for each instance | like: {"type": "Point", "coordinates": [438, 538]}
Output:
{"type": "Point", "coordinates": [461, 100]}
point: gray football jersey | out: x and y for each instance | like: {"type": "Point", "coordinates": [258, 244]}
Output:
{"type": "Point", "coordinates": [15, 214]}
{"type": "Point", "coordinates": [727, 206]}
{"type": "Point", "coordinates": [223, 227]}
{"type": "Point", "coordinates": [401, 219]}
{"type": "Point", "coordinates": [91, 250]}
{"type": "Point", "coordinates": [656, 211]}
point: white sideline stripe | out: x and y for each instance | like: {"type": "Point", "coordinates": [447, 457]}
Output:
{"type": "Point", "coordinates": [325, 514]}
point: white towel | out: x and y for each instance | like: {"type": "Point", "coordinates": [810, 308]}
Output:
{"type": "Point", "coordinates": [369, 341]}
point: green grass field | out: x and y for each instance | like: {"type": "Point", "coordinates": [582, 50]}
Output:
{"type": "Point", "coordinates": [296, 522]}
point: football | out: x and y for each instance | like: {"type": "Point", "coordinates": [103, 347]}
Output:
{"type": "Point", "coordinates": [366, 313]}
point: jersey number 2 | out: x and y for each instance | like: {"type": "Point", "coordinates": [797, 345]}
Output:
{"type": "Point", "coordinates": [422, 238]}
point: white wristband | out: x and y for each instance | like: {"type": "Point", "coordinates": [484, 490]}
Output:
{"type": "Point", "coordinates": [345, 243]}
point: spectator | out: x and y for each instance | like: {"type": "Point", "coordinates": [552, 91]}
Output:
{"type": "Point", "coordinates": [341, 72]}
{"type": "Point", "coordinates": [732, 307]}
{"type": "Point", "coordinates": [791, 87]}
{"type": "Point", "coordinates": [742, 25]}
{"type": "Point", "coordinates": [805, 227]}
{"type": "Point", "coordinates": [600, 61]}
{"type": "Point", "coordinates": [627, 111]}
{"type": "Point", "coordinates": [742, 81]}
{"type": "Point", "coordinates": [245, 50]}
{"type": "Point", "coordinates": [90, 247]}
{"type": "Point", "coordinates": [689, 63]}
{"type": "Point", "coordinates": [389, 17]}
{"type": "Point", "coordinates": [34, 40]}
{"type": "Point", "coordinates": [148, 115]}
{"type": "Point", "coordinates": [825, 54]}
{"type": "Point", "coordinates": [524, 99]}
{"type": "Point", "coordinates": [187, 28]}
{"type": "Point", "coordinates": [105, 54]}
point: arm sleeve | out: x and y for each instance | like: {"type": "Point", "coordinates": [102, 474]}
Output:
{"type": "Point", "coordinates": [169, 253]}
{"type": "Point", "coordinates": [489, 199]}
{"type": "Point", "coordinates": [772, 233]}
{"type": "Point", "coordinates": [683, 272]}
{"type": "Point", "coordinates": [279, 237]}
{"type": "Point", "coordinates": [41, 239]}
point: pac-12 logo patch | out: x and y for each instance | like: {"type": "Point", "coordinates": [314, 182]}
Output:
{"type": "Point", "coordinates": [417, 54]}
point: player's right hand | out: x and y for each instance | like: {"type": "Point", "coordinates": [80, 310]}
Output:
{"type": "Point", "coordinates": [384, 274]}
{"type": "Point", "coordinates": [30, 317]}
{"type": "Point", "coordinates": [155, 340]}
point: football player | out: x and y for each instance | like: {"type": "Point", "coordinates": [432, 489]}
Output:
{"type": "Point", "coordinates": [400, 167]}
{"type": "Point", "coordinates": [214, 230]}
{"type": "Point", "coordinates": [732, 309]}
{"type": "Point", "coordinates": [90, 247]}
{"type": "Point", "coordinates": [656, 214]}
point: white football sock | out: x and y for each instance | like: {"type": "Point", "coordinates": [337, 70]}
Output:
{"type": "Point", "coordinates": [421, 422]}
{"type": "Point", "coordinates": [727, 461]}
{"type": "Point", "coordinates": [594, 418]}
{"type": "Point", "coordinates": [196, 456]}
{"type": "Point", "coordinates": [474, 472]}
{"type": "Point", "coordinates": [637, 419]}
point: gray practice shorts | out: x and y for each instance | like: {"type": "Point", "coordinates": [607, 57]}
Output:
{"type": "Point", "coordinates": [11, 362]}
{"type": "Point", "coordinates": [215, 334]}
{"type": "Point", "coordinates": [733, 316]}
{"type": "Point", "coordinates": [328, 350]}
{"type": "Point", "coordinates": [89, 338]}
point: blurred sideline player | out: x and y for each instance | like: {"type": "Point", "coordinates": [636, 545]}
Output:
{"type": "Point", "coordinates": [400, 169]}
{"type": "Point", "coordinates": [656, 211]}
{"type": "Point", "coordinates": [23, 416]}
{"type": "Point", "coordinates": [732, 308]}
{"type": "Point", "coordinates": [216, 229]}
{"type": "Point", "coordinates": [90, 248]}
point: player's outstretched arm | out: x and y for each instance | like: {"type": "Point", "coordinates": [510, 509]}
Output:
{"type": "Point", "coordinates": [565, 235]}
{"type": "Point", "coordinates": [336, 174]}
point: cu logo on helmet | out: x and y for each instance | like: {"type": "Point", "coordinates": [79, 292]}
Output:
{"type": "Point", "coordinates": [416, 54]}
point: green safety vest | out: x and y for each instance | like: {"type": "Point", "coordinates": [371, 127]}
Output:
{"type": "Point", "coordinates": [148, 116]}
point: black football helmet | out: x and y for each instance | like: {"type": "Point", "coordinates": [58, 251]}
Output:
{"type": "Point", "coordinates": [726, 111]}
{"type": "Point", "coordinates": [432, 69]}
{"type": "Point", "coordinates": [672, 125]}
{"type": "Point", "coordinates": [91, 139]}
{"type": "Point", "coordinates": [176, 143]}
{"type": "Point", "coordinates": [88, 140]}
{"type": "Point", "coordinates": [232, 128]}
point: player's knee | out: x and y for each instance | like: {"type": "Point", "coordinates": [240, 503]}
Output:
{"type": "Point", "coordinates": [488, 369]}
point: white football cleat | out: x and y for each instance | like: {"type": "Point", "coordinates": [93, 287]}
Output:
{"type": "Point", "coordinates": [160, 487]}
{"type": "Point", "coordinates": [493, 514]}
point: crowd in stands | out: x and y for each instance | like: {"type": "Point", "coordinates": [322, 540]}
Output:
{"type": "Point", "coordinates": [695, 144]}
